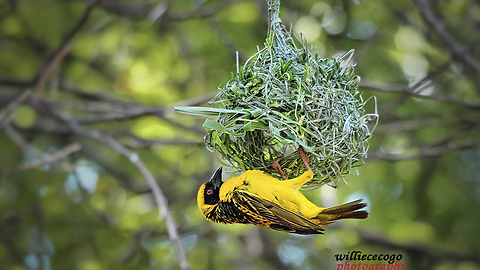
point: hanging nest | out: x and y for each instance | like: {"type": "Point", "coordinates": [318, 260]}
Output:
{"type": "Point", "coordinates": [283, 98]}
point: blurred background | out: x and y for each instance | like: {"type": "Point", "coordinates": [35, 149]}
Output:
{"type": "Point", "coordinates": [98, 172]}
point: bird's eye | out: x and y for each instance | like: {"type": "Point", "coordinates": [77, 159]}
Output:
{"type": "Point", "coordinates": [209, 192]}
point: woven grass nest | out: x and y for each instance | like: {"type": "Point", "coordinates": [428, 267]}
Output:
{"type": "Point", "coordinates": [283, 98]}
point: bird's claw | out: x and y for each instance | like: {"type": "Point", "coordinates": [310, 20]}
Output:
{"type": "Point", "coordinates": [304, 158]}
{"type": "Point", "coordinates": [278, 168]}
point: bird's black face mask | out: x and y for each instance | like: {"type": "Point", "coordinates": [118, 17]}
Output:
{"type": "Point", "coordinates": [212, 188]}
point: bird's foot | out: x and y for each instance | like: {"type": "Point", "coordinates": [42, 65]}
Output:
{"type": "Point", "coordinates": [278, 168]}
{"type": "Point", "coordinates": [304, 158]}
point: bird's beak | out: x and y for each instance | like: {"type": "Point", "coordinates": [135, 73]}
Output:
{"type": "Point", "coordinates": [216, 179]}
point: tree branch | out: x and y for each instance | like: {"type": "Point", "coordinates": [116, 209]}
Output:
{"type": "Point", "coordinates": [12, 105]}
{"type": "Point", "coordinates": [19, 140]}
{"type": "Point", "coordinates": [201, 12]}
{"type": "Point", "coordinates": [411, 125]}
{"type": "Point", "coordinates": [132, 112]}
{"type": "Point", "coordinates": [410, 91]}
{"type": "Point", "coordinates": [133, 157]}
{"type": "Point", "coordinates": [61, 51]}
{"type": "Point", "coordinates": [62, 153]}
{"type": "Point", "coordinates": [93, 96]}
{"type": "Point", "coordinates": [138, 142]}
{"type": "Point", "coordinates": [427, 152]}
{"type": "Point", "coordinates": [437, 23]}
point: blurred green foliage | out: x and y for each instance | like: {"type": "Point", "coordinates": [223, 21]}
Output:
{"type": "Point", "coordinates": [129, 62]}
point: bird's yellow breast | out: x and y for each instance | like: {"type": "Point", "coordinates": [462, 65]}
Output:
{"type": "Point", "coordinates": [284, 193]}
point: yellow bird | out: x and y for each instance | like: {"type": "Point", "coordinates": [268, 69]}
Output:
{"type": "Point", "coordinates": [260, 199]}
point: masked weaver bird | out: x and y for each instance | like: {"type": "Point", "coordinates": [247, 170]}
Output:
{"type": "Point", "coordinates": [260, 199]}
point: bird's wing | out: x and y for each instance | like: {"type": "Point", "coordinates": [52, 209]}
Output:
{"type": "Point", "coordinates": [271, 215]}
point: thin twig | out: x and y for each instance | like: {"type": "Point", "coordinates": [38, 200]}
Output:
{"type": "Point", "coordinates": [19, 140]}
{"type": "Point", "coordinates": [411, 125]}
{"type": "Point", "coordinates": [14, 103]}
{"type": "Point", "coordinates": [197, 100]}
{"type": "Point", "coordinates": [117, 172]}
{"type": "Point", "coordinates": [130, 113]}
{"type": "Point", "coordinates": [202, 12]}
{"type": "Point", "coordinates": [437, 23]}
{"type": "Point", "coordinates": [16, 82]}
{"type": "Point", "coordinates": [427, 152]}
{"type": "Point", "coordinates": [159, 12]}
{"type": "Point", "coordinates": [93, 96]}
{"type": "Point", "coordinates": [64, 47]}
{"type": "Point", "coordinates": [52, 158]}
{"type": "Point", "coordinates": [133, 12]}
{"type": "Point", "coordinates": [61, 51]}
{"type": "Point", "coordinates": [408, 91]}
{"type": "Point", "coordinates": [138, 142]}
{"type": "Point", "coordinates": [134, 110]}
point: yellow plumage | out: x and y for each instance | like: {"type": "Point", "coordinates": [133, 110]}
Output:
{"type": "Point", "coordinates": [260, 199]}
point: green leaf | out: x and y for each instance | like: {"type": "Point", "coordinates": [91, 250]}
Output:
{"type": "Point", "coordinates": [205, 111]}
{"type": "Point", "coordinates": [210, 124]}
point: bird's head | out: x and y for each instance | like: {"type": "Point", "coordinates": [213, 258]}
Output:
{"type": "Point", "coordinates": [208, 194]}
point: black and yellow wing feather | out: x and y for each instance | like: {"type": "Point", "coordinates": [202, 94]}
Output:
{"type": "Point", "coordinates": [271, 215]}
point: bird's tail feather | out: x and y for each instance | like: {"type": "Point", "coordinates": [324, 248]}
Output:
{"type": "Point", "coordinates": [343, 211]}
